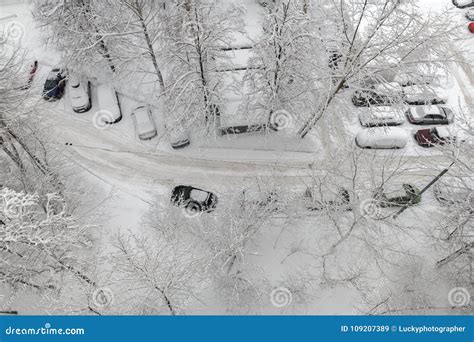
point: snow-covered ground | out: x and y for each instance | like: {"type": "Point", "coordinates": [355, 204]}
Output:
{"type": "Point", "coordinates": [128, 175]}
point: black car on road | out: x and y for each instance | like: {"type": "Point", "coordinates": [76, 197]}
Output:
{"type": "Point", "coordinates": [194, 199]}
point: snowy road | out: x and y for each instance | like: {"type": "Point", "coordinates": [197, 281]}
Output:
{"type": "Point", "coordinates": [113, 156]}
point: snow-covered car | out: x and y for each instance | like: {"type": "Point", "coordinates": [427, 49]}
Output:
{"type": "Point", "coordinates": [79, 93]}
{"type": "Point", "coordinates": [380, 94]}
{"type": "Point", "coordinates": [193, 199]}
{"type": "Point", "coordinates": [261, 199]}
{"type": "Point", "coordinates": [109, 102]}
{"type": "Point", "coordinates": [179, 139]}
{"type": "Point", "coordinates": [54, 85]}
{"type": "Point", "coordinates": [384, 93]}
{"type": "Point", "coordinates": [419, 94]}
{"type": "Point", "coordinates": [324, 197]}
{"type": "Point", "coordinates": [381, 116]}
{"type": "Point", "coordinates": [144, 123]}
{"type": "Point", "coordinates": [470, 14]}
{"type": "Point", "coordinates": [394, 196]}
{"type": "Point", "coordinates": [463, 3]}
{"type": "Point", "coordinates": [439, 135]}
{"type": "Point", "coordinates": [429, 115]}
{"type": "Point", "coordinates": [382, 137]}
{"type": "Point", "coordinates": [455, 191]}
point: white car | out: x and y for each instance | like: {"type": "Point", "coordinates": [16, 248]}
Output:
{"type": "Point", "coordinates": [419, 94]}
{"type": "Point", "coordinates": [388, 88]}
{"type": "Point", "coordinates": [463, 3]}
{"type": "Point", "coordinates": [381, 116]}
{"type": "Point", "coordinates": [109, 104]}
{"type": "Point", "coordinates": [144, 123]}
{"type": "Point", "coordinates": [179, 139]}
{"type": "Point", "coordinates": [79, 94]}
{"type": "Point", "coordinates": [382, 137]}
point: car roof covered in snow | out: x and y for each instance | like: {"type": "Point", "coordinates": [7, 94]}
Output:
{"type": "Point", "coordinates": [398, 136]}
{"type": "Point", "coordinates": [199, 195]}
{"type": "Point", "coordinates": [422, 111]}
{"type": "Point", "coordinates": [388, 87]}
{"type": "Point", "coordinates": [381, 112]}
{"type": "Point", "coordinates": [143, 119]}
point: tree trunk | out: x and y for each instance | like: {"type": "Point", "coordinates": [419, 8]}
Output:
{"type": "Point", "coordinates": [151, 51]}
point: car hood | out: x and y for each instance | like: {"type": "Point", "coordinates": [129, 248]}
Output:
{"type": "Point", "coordinates": [79, 101]}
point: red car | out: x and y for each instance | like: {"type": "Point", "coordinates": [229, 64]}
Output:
{"type": "Point", "coordinates": [471, 26]}
{"type": "Point", "coordinates": [434, 136]}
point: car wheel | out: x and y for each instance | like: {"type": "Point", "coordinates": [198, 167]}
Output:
{"type": "Point", "coordinates": [193, 209]}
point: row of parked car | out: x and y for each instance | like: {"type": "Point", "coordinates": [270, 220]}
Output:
{"type": "Point", "coordinates": [389, 104]}
{"type": "Point", "coordinates": [382, 133]}
{"type": "Point", "coordinates": [451, 191]}
{"type": "Point", "coordinates": [79, 90]}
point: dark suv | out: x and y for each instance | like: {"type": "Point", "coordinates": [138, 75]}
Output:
{"type": "Point", "coordinates": [55, 83]}
{"type": "Point", "coordinates": [408, 195]}
{"type": "Point", "coordinates": [194, 199]}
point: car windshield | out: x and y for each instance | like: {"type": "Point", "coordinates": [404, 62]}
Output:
{"type": "Point", "coordinates": [434, 132]}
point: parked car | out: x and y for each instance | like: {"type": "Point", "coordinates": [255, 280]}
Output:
{"type": "Point", "coordinates": [463, 3]}
{"type": "Point", "coordinates": [430, 115]}
{"type": "Point", "coordinates": [381, 116]}
{"type": "Point", "coordinates": [80, 94]}
{"type": "Point", "coordinates": [109, 101]}
{"type": "Point", "coordinates": [194, 199]}
{"type": "Point", "coordinates": [386, 196]}
{"type": "Point", "coordinates": [470, 26]}
{"type": "Point", "coordinates": [54, 85]}
{"type": "Point", "coordinates": [144, 123]}
{"type": "Point", "coordinates": [420, 94]}
{"type": "Point", "coordinates": [328, 199]}
{"type": "Point", "coordinates": [261, 199]}
{"type": "Point", "coordinates": [470, 14]}
{"type": "Point", "coordinates": [381, 94]}
{"type": "Point", "coordinates": [180, 139]}
{"type": "Point", "coordinates": [434, 136]}
{"type": "Point", "coordinates": [382, 137]}
{"type": "Point", "coordinates": [455, 191]}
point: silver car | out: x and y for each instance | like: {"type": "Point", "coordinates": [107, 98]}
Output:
{"type": "Point", "coordinates": [144, 123]}
{"type": "Point", "coordinates": [179, 139]}
{"type": "Point", "coordinates": [381, 116]}
{"type": "Point", "coordinates": [79, 94]}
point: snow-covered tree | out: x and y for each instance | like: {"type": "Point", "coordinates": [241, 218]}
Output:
{"type": "Point", "coordinates": [155, 276]}
{"type": "Point", "coordinates": [76, 28]}
{"type": "Point", "coordinates": [283, 65]}
{"type": "Point", "coordinates": [39, 241]}
{"type": "Point", "coordinates": [198, 31]}
{"type": "Point", "coordinates": [374, 41]}
{"type": "Point", "coordinates": [26, 163]}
